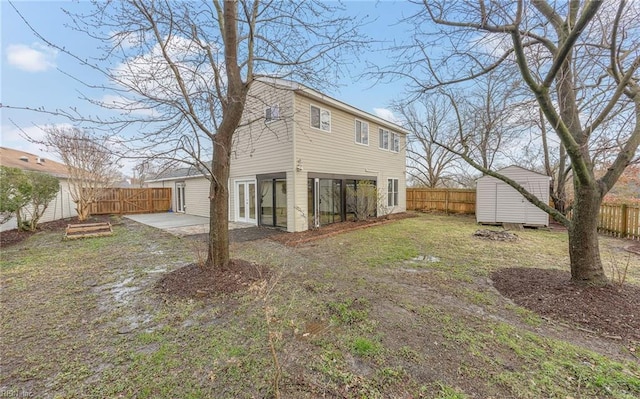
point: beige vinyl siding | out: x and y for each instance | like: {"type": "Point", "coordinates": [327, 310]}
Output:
{"type": "Point", "coordinates": [299, 196]}
{"type": "Point", "coordinates": [61, 207]}
{"type": "Point", "coordinates": [196, 193]}
{"type": "Point", "coordinates": [261, 147]}
{"type": "Point", "coordinates": [336, 152]}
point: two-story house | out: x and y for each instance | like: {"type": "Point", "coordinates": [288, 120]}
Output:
{"type": "Point", "coordinates": [298, 156]}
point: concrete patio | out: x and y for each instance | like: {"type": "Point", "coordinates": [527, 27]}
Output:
{"type": "Point", "coordinates": [180, 224]}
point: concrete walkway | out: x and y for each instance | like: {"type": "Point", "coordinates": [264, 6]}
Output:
{"type": "Point", "coordinates": [180, 224]}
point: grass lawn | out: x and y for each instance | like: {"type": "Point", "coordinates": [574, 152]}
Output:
{"type": "Point", "coordinates": [351, 316]}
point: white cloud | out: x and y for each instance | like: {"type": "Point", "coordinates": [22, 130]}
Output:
{"type": "Point", "coordinates": [150, 74]}
{"type": "Point", "coordinates": [34, 58]}
{"type": "Point", "coordinates": [387, 115]}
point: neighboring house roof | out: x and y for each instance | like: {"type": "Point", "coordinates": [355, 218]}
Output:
{"type": "Point", "coordinates": [318, 96]}
{"type": "Point", "coordinates": [178, 173]}
{"type": "Point", "coordinates": [28, 161]}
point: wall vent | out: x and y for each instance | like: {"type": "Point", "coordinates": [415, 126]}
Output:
{"type": "Point", "coordinates": [24, 159]}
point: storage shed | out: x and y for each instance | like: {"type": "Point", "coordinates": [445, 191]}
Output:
{"type": "Point", "coordinates": [497, 202]}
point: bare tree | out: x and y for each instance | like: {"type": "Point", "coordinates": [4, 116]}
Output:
{"type": "Point", "coordinates": [181, 74]}
{"type": "Point", "coordinates": [579, 60]}
{"type": "Point", "coordinates": [91, 165]}
{"type": "Point", "coordinates": [429, 164]}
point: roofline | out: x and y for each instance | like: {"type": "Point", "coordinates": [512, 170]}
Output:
{"type": "Point", "coordinates": [520, 167]}
{"type": "Point", "coordinates": [175, 178]}
{"type": "Point", "coordinates": [315, 94]}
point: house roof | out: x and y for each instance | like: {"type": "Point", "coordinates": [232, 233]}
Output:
{"type": "Point", "coordinates": [178, 173]}
{"type": "Point", "coordinates": [28, 161]}
{"type": "Point", "coordinates": [318, 96]}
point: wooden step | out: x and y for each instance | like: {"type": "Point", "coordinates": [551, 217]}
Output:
{"type": "Point", "coordinates": [74, 231]}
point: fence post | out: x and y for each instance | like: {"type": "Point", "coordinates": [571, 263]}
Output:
{"type": "Point", "coordinates": [623, 221]}
{"type": "Point", "coordinates": [446, 202]}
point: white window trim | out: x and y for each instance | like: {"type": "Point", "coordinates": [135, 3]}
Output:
{"type": "Point", "coordinates": [380, 142]}
{"type": "Point", "coordinates": [321, 109]}
{"type": "Point", "coordinates": [355, 132]}
{"type": "Point", "coordinates": [397, 193]}
{"type": "Point", "coordinates": [392, 140]}
{"type": "Point", "coordinates": [392, 136]}
{"type": "Point", "coordinates": [271, 107]}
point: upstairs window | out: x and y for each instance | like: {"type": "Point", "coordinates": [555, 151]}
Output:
{"type": "Point", "coordinates": [383, 139]}
{"type": "Point", "coordinates": [395, 143]}
{"type": "Point", "coordinates": [272, 113]}
{"type": "Point", "coordinates": [362, 132]}
{"type": "Point", "coordinates": [320, 118]}
{"type": "Point", "coordinates": [388, 140]}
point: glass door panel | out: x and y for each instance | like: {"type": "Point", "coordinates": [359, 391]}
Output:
{"type": "Point", "coordinates": [242, 212]}
{"type": "Point", "coordinates": [281, 203]}
{"type": "Point", "coordinates": [266, 203]}
{"type": "Point", "coordinates": [252, 201]}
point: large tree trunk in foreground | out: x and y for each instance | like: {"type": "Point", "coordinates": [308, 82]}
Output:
{"type": "Point", "coordinates": [218, 253]}
{"type": "Point", "coordinates": [233, 107]}
{"type": "Point", "coordinates": [584, 252]}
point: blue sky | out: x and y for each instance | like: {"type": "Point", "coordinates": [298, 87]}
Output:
{"type": "Point", "coordinates": [34, 75]}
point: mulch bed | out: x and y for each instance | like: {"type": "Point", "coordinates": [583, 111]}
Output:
{"type": "Point", "coordinates": [301, 237]}
{"type": "Point", "coordinates": [611, 311]}
{"type": "Point", "coordinates": [15, 236]}
{"type": "Point", "coordinates": [193, 281]}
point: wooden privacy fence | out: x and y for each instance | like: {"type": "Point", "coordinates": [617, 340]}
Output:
{"type": "Point", "coordinates": [441, 199]}
{"type": "Point", "coordinates": [618, 220]}
{"type": "Point", "coordinates": [121, 201]}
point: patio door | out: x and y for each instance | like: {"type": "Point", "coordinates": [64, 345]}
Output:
{"type": "Point", "coordinates": [180, 197]}
{"type": "Point", "coordinates": [246, 201]}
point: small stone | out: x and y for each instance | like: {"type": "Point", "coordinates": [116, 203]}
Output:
{"type": "Point", "coordinates": [126, 329]}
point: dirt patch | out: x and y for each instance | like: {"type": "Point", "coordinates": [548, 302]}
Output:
{"type": "Point", "coordinates": [633, 248]}
{"type": "Point", "coordinates": [610, 311]}
{"type": "Point", "coordinates": [294, 239]}
{"type": "Point", "coordinates": [495, 235]}
{"type": "Point", "coordinates": [15, 236]}
{"type": "Point", "coordinates": [193, 281]}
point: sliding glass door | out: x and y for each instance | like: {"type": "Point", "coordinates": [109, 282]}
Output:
{"type": "Point", "coordinates": [273, 203]}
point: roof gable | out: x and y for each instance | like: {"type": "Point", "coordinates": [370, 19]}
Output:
{"type": "Point", "coordinates": [28, 161]}
{"type": "Point", "coordinates": [302, 90]}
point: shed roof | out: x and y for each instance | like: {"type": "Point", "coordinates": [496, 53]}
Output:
{"type": "Point", "coordinates": [28, 161]}
{"type": "Point", "coordinates": [515, 166]}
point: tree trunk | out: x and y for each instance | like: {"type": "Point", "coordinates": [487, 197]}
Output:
{"type": "Point", "coordinates": [218, 253]}
{"type": "Point", "coordinates": [233, 107]}
{"type": "Point", "coordinates": [82, 209]}
{"type": "Point", "coordinates": [584, 252]}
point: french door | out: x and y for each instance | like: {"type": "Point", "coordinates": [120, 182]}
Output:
{"type": "Point", "coordinates": [246, 201]}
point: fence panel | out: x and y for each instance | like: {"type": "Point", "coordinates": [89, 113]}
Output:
{"type": "Point", "coordinates": [618, 220]}
{"type": "Point", "coordinates": [442, 199]}
{"type": "Point", "coordinates": [132, 200]}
